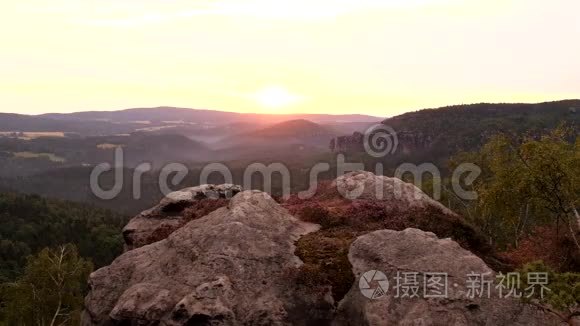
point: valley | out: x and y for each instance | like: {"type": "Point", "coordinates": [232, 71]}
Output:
{"type": "Point", "coordinates": [45, 188]}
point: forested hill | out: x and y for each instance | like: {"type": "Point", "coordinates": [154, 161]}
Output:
{"type": "Point", "coordinates": [29, 223]}
{"type": "Point", "coordinates": [437, 134]}
{"type": "Point", "coordinates": [485, 116]}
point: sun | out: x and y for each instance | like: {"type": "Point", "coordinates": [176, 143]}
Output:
{"type": "Point", "coordinates": [276, 97]}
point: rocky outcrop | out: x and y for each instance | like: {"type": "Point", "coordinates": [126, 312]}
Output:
{"type": "Point", "coordinates": [247, 260]}
{"type": "Point", "coordinates": [397, 194]}
{"type": "Point", "coordinates": [419, 253]}
{"type": "Point", "coordinates": [348, 144]}
{"type": "Point", "coordinates": [227, 268]}
{"type": "Point", "coordinates": [407, 142]}
{"type": "Point", "coordinates": [174, 211]}
{"type": "Point", "coordinates": [361, 202]}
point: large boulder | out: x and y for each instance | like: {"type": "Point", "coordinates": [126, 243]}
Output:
{"type": "Point", "coordinates": [419, 253]}
{"type": "Point", "coordinates": [397, 194]}
{"type": "Point", "coordinates": [174, 211]}
{"type": "Point", "coordinates": [227, 268]}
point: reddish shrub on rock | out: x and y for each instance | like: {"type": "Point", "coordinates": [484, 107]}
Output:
{"type": "Point", "coordinates": [555, 248]}
{"type": "Point", "coordinates": [203, 207]}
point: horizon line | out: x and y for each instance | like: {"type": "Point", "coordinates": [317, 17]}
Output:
{"type": "Point", "coordinates": [284, 114]}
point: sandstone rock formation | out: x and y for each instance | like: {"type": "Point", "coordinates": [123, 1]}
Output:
{"type": "Point", "coordinates": [200, 258]}
{"type": "Point", "coordinates": [414, 251]}
{"type": "Point", "coordinates": [394, 192]}
{"type": "Point", "coordinates": [408, 142]}
{"type": "Point", "coordinates": [174, 211]}
{"type": "Point", "coordinates": [362, 202]}
{"type": "Point", "coordinates": [348, 144]}
{"type": "Point", "coordinates": [227, 268]}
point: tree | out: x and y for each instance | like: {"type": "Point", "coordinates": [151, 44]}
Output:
{"type": "Point", "coordinates": [562, 296]}
{"type": "Point", "coordinates": [51, 291]}
{"type": "Point", "coordinates": [528, 183]}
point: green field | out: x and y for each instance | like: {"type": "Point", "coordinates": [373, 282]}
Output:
{"type": "Point", "coordinates": [50, 156]}
{"type": "Point", "coordinates": [32, 135]}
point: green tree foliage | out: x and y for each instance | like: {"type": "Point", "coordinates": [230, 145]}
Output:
{"type": "Point", "coordinates": [51, 290]}
{"type": "Point", "coordinates": [562, 296]}
{"type": "Point", "coordinates": [29, 223]}
{"type": "Point", "coordinates": [525, 184]}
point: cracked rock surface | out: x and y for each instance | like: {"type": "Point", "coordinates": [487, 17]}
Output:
{"type": "Point", "coordinates": [419, 253]}
{"type": "Point", "coordinates": [227, 268]}
{"type": "Point", "coordinates": [174, 211]}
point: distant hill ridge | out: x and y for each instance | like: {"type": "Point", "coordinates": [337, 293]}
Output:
{"type": "Point", "coordinates": [165, 113]}
{"type": "Point", "coordinates": [292, 128]}
{"type": "Point", "coordinates": [444, 131]}
{"type": "Point", "coordinates": [513, 115]}
{"type": "Point", "coordinates": [95, 123]}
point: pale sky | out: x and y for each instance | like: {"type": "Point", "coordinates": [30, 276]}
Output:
{"type": "Point", "coordinates": [378, 57]}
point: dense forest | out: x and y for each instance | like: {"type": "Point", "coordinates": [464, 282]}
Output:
{"type": "Point", "coordinates": [487, 118]}
{"type": "Point", "coordinates": [29, 223]}
{"type": "Point", "coordinates": [527, 196]}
